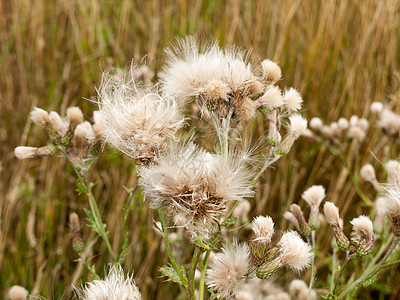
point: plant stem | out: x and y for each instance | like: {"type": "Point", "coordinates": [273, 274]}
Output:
{"type": "Point", "coordinates": [82, 176]}
{"type": "Point", "coordinates": [203, 275]}
{"type": "Point", "coordinates": [167, 245]}
{"type": "Point", "coordinates": [333, 271]}
{"type": "Point", "coordinates": [368, 274]}
{"type": "Point", "coordinates": [346, 260]}
{"type": "Point", "coordinates": [313, 270]}
{"type": "Point", "coordinates": [266, 165]}
{"type": "Point", "coordinates": [192, 271]}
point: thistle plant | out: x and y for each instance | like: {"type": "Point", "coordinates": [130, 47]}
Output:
{"type": "Point", "coordinates": [201, 190]}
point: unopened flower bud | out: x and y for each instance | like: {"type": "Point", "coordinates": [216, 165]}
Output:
{"type": "Point", "coordinates": [332, 216]}
{"type": "Point", "coordinates": [304, 228]}
{"type": "Point", "coordinates": [77, 242]}
{"type": "Point", "coordinates": [362, 236]}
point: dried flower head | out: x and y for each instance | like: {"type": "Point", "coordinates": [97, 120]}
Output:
{"type": "Point", "coordinates": [195, 184]}
{"type": "Point", "coordinates": [17, 293]}
{"type": "Point", "coordinates": [292, 219]}
{"type": "Point", "coordinates": [393, 171]}
{"type": "Point", "coordinates": [376, 107]}
{"type": "Point", "coordinates": [314, 195]}
{"type": "Point", "coordinates": [389, 122]}
{"type": "Point", "coordinates": [356, 132]}
{"type": "Point", "coordinates": [296, 287]}
{"type": "Point", "coordinates": [271, 99]}
{"type": "Point", "coordinates": [136, 119]}
{"type": "Point", "coordinates": [294, 252]}
{"type": "Point", "coordinates": [362, 236]}
{"type": "Point", "coordinates": [297, 125]}
{"type": "Point", "coordinates": [116, 286]}
{"type": "Point", "coordinates": [367, 172]}
{"type": "Point", "coordinates": [271, 71]}
{"type": "Point", "coordinates": [77, 242]}
{"type": "Point", "coordinates": [343, 123]}
{"type": "Point", "coordinates": [263, 229]}
{"type": "Point", "coordinates": [40, 117]}
{"type": "Point", "coordinates": [74, 116]}
{"type": "Point", "coordinates": [228, 269]}
{"type": "Point", "coordinates": [332, 216]}
{"type": "Point", "coordinates": [292, 100]}
{"type": "Point", "coordinates": [392, 206]}
{"type": "Point", "coordinates": [304, 228]}
{"type": "Point", "coordinates": [23, 152]}
{"type": "Point", "coordinates": [316, 123]}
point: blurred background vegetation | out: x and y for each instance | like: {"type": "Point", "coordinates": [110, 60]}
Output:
{"type": "Point", "coordinates": [342, 55]}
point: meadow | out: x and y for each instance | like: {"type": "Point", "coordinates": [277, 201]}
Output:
{"type": "Point", "coordinates": [341, 56]}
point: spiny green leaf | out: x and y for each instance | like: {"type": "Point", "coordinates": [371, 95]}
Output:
{"type": "Point", "coordinates": [92, 222]}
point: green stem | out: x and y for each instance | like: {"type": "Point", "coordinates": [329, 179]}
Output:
{"type": "Point", "coordinates": [167, 245]}
{"type": "Point", "coordinates": [333, 271]}
{"type": "Point", "coordinates": [266, 165]}
{"type": "Point", "coordinates": [203, 275]}
{"type": "Point", "coordinates": [346, 260]}
{"type": "Point", "coordinates": [192, 271]}
{"type": "Point", "coordinates": [82, 175]}
{"type": "Point", "coordinates": [371, 273]}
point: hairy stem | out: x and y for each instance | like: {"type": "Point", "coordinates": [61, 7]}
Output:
{"type": "Point", "coordinates": [167, 245]}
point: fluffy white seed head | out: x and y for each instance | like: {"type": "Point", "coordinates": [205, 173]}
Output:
{"type": "Point", "coordinates": [23, 152]}
{"type": "Point", "coordinates": [367, 172]}
{"type": "Point", "coordinates": [297, 125]}
{"type": "Point", "coordinates": [40, 117]}
{"type": "Point", "coordinates": [271, 99]}
{"type": "Point", "coordinates": [353, 121]}
{"type": "Point", "coordinates": [392, 200]}
{"type": "Point", "coordinates": [376, 107]}
{"type": "Point", "coordinates": [228, 269]}
{"type": "Point", "coordinates": [116, 286]}
{"type": "Point", "coordinates": [84, 133]}
{"type": "Point", "coordinates": [332, 213]}
{"type": "Point", "coordinates": [294, 252]}
{"type": "Point", "coordinates": [343, 123]}
{"type": "Point", "coordinates": [17, 293]}
{"type": "Point", "coordinates": [327, 131]}
{"type": "Point", "coordinates": [295, 288]}
{"type": "Point", "coordinates": [316, 123]}
{"type": "Point", "coordinates": [356, 133]}
{"type": "Point", "coordinates": [389, 121]}
{"type": "Point", "coordinates": [136, 119]}
{"type": "Point", "coordinates": [335, 128]}
{"type": "Point", "coordinates": [271, 71]}
{"type": "Point", "coordinates": [393, 171]}
{"type": "Point", "coordinates": [292, 100]}
{"type": "Point", "coordinates": [303, 295]}
{"type": "Point", "coordinates": [195, 184]}
{"type": "Point", "coordinates": [58, 123]}
{"type": "Point", "coordinates": [362, 225]}
{"type": "Point", "coordinates": [363, 124]}
{"type": "Point", "coordinates": [263, 229]}
{"type": "Point", "coordinates": [314, 195]}
{"type": "Point", "coordinates": [75, 116]}
{"type": "Point", "coordinates": [217, 89]}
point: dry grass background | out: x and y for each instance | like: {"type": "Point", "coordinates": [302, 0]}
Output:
{"type": "Point", "coordinates": [341, 55]}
